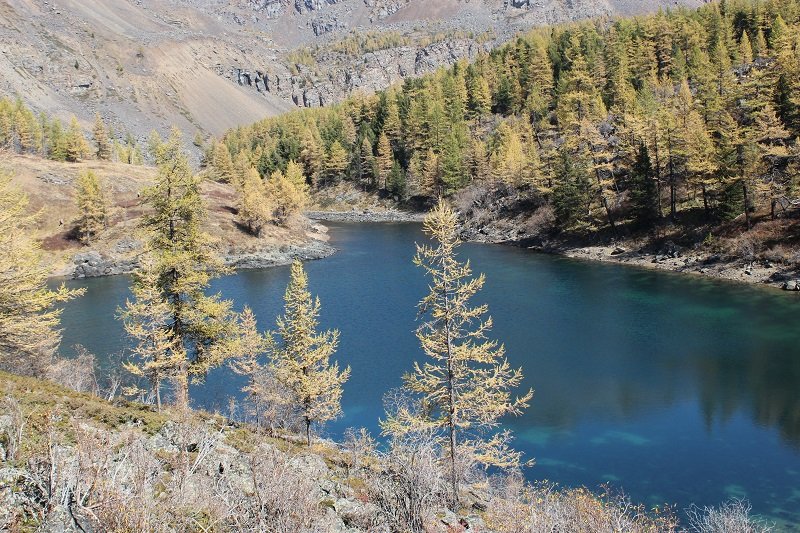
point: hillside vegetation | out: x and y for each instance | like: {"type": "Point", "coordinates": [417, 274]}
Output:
{"type": "Point", "coordinates": [668, 125]}
{"type": "Point", "coordinates": [48, 161]}
{"type": "Point", "coordinates": [70, 461]}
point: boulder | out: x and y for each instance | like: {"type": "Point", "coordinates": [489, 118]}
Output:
{"type": "Point", "coordinates": [778, 277]}
{"type": "Point", "coordinates": [793, 285]}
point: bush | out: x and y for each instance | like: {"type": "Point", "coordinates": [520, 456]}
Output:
{"type": "Point", "coordinates": [731, 517]}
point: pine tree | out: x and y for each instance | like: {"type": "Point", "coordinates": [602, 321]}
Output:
{"type": "Point", "coordinates": [101, 142]}
{"type": "Point", "coordinates": [184, 265]}
{"type": "Point", "coordinates": [644, 201]}
{"type": "Point", "coordinates": [464, 387]}
{"type": "Point", "coordinates": [397, 181]}
{"type": "Point", "coordinates": [367, 165]}
{"type": "Point", "coordinates": [452, 171]}
{"type": "Point", "coordinates": [29, 322]}
{"type": "Point", "coordinates": [570, 189]}
{"type": "Point", "coordinates": [92, 206]}
{"type": "Point", "coordinates": [300, 360]}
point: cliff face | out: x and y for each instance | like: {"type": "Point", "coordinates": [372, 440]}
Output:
{"type": "Point", "coordinates": [208, 65]}
{"type": "Point", "coordinates": [459, 29]}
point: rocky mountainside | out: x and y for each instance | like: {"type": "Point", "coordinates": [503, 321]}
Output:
{"type": "Point", "coordinates": [207, 65]}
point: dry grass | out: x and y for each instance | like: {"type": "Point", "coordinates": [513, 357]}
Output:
{"type": "Point", "coordinates": [50, 186]}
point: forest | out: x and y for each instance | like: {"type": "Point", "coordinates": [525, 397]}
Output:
{"type": "Point", "coordinates": [630, 123]}
{"type": "Point", "coordinates": [612, 122]}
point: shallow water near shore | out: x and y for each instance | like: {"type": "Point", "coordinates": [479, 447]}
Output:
{"type": "Point", "coordinates": [674, 388]}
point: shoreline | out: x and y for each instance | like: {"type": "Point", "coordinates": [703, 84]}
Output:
{"type": "Point", "coordinates": [91, 263]}
{"type": "Point", "coordinates": [365, 216]}
{"type": "Point", "coordinates": [712, 266]}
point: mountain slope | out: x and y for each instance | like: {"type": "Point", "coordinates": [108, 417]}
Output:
{"type": "Point", "coordinates": [208, 65]}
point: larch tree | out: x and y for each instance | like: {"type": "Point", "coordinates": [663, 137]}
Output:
{"type": "Point", "coordinates": [312, 156]}
{"type": "Point", "coordinates": [147, 320]}
{"type": "Point", "coordinates": [92, 206]}
{"type": "Point", "coordinates": [29, 320]}
{"type": "Point", "coordinates": [300, 358]}
{"type": "Point", "coordinates": [184, 264]}
{"type": "Point", "coordinates": [221, 162]}
{"type": "Point", "coordinates": [479, 98]}
{"type": "Point", "coordinates": [251, 346]}
{"type": "Point", "coordinates": [76, 146]}
{"type": "Point", "coordinates": [101, 142]}
{"type": "Point", "coordinates": [509, 161]}
{"type": "Point", "coordinates": [384, 160]}
{"type": "Point", "coordinates": [335, 162]}
{"type": "Point", "coordinates": [287, 193]}
{"type": "Point", "coordinates": [254, 206]}
{"type": "Point", "coordinates": [464, 388]}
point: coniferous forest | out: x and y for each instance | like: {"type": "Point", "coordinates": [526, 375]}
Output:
{"type": "Point", "coordinates": [610, 121]}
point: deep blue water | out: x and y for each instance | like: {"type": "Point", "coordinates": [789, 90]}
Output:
{"type": "Point", "coordinates": [674, 388]}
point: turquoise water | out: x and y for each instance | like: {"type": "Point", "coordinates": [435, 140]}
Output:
{"type": "Point", "coordinates": [673, 388]}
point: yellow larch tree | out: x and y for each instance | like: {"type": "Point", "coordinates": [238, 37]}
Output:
{"type": "Point", "coordinates": [464, 387]}
{"type": "Point", "coordinates": [184, 264]}
{"type": "Point", "coordinates": [101, 141]}
{"type": "Point", "coordinates": [300, 359]}
{"type": "Point", "coordinates": [29, 322]}
{"type": "Point", "coordinates": [92, 206]}
{"type": "Point", "coordinates": [254, 206]}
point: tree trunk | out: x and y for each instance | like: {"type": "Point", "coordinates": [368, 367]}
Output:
{"type": "Point", "coordinates": [451, 427]}
{"type": "Point", "coordinates": [182, 387]}
{"type": "Point", "coordinates": [308, 431]}
{"type": "Point", "coordinates": [705, 200]}
{"type": "Point", "coordinates": [746, 205]}
{"type": "Point", "coordinates": [658, 178]}
{"type": "Point", "coordinates": [672, 199]}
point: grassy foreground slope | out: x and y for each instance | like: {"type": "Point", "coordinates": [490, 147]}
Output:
{"type": "Point", "coordinates": [70, 461]}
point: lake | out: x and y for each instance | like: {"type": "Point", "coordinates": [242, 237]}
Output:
{"type": "Point", "coordinates": [674, 388]}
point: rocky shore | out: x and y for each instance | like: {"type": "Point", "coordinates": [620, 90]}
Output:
{"type": "Point", "coordinates": [92, 264]}
{"type": "Point", "coordinates": [638, 253]}
{"type": "Point", "coordinates": [366, 215]}
{"type": "Point", "coordinates": [689, 262]}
